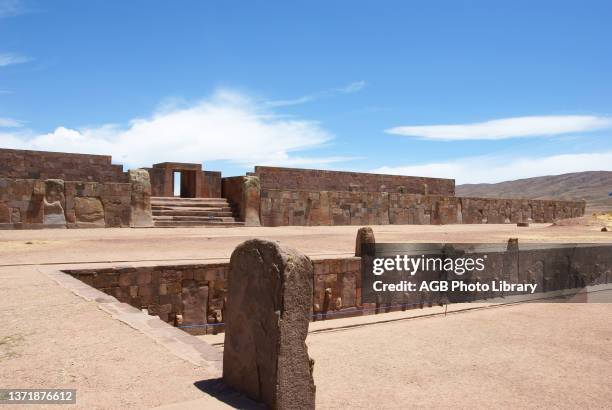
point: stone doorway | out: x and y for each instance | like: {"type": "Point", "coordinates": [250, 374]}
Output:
{"type": "Point", "coordinates": [184, 184]}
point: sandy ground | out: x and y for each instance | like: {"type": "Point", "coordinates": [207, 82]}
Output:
{"type": "Point", "coordinates": [52, 338]}
{"type": "Point", "coordinates": [531, 355]}
{"type": "Point", "coordinates": [156, 244]}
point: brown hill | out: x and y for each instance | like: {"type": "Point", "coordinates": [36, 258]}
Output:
{"type": "Point", "coordinates": [593, 186]}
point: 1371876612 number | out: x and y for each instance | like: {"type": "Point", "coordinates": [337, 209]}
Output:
{"type": "Point", "coordinates": [37, 396]}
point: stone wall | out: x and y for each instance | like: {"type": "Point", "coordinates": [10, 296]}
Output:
{"type": "Point", "coordinates": [194, 296]}
{"type": "Point", "coordinates": [22, 164]}
{"type": "Point", "coordinates": [232, 189]}
{"type": "Point", "coordinates": [308, 208]}
{"type": "Point", "coordinates": [166, 291]}
{"type": "Point", "coordinates": [53, 203]}
{"type": "Point", "coordinates": [211, 184]}
{"type": "Point", "coordinates": [321, 180]}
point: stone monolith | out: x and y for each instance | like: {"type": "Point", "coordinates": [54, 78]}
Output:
{"type": "Point", "coordinates": [269, 300]}
{"type": "Point", "coordinates": [141, 214]}
{"type": "Point", "coordinates": [365, 235]}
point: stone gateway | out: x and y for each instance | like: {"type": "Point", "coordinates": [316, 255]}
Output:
{"type": "Point", "coordinates": [268, 309]}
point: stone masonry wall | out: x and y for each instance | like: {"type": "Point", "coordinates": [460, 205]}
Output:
{"type": "Point", "coordinates": [24, 202]}
{"type": "Point", "coordinates": [195, 295]}
{"type": "Point", "coordinates": [22, 164]}
{"type": "Point", "coordinates": [233, 191]}
{"type": "Point", "coordinates": [166, 291]}
{"type": "Point", "coordinates": [321, 180]}
{"type": "Point", "coordinates": [308, 208]}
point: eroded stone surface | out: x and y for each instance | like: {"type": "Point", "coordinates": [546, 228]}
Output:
{"type": "Point", "coordinates": [269, 302]}
{"type": "Point", "coordinates": [5, 214]}
{"type": "Point", "coordinates": [251, 200]}
{"type": "Point", "coordinates": [54, 203]}
{"type": "Point", "coordinates": [365, 235]}
{"type": "Point", "coordinates": [195, 302]}
{"type": "Point", "coordinates": [89, 212]}
{"type": "Point", "coordinates": [141, 214]}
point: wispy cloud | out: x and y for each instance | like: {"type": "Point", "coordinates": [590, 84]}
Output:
{"type": "Point", "coordinates": [352, 87]}
{"type": "Point", "coordinates": [7, 59]}
{"type": "Point", "coordinates": [492, 169]}
{"type": "Point", "coordinates": [226, 126]}
{"type": "Point", "coordinates": [9, 123]}
{"type": "Point", "coordinates": [533, 126]}
{"type": "Point", "coordinates": [347, 89]}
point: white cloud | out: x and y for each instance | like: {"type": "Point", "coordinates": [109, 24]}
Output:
{"type": "Point", "coordinates": [347, 89]}
{"type": "Point", "coordinates": [9, 123]}
{"type": "Point", "coordinates": [490, 169]}
{"type": "Point", "coordinates": [507, 128]}
{"type": "Point", "coordinates": [353, 87]}
{"type": "Point", "coordinates": [7, 59]}
{"type": "Point", "coordinates": [226, 126]}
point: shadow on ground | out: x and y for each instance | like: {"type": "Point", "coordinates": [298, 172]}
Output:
{"type": "Point", "coordinates": [224, 393]}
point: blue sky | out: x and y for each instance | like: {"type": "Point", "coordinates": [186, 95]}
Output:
{"type": "Point", "coordinates": [482, 91]}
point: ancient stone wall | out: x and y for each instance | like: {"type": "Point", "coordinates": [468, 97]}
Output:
{"type": "Point", "coordinates": [170, 291]}
{"type": "Point", "coordinates": [233, 191]}
{"type": "Point", "coordinates": [167, 291]}
{"type": "Point", "coordinates": [321, 180]}
{"type": "Point", "coordinates": [161, 289]}
{"type": "Point", "coordinates": [211, 184]}
{"type": "Point", "coordinates": [22, 164]}
{"type": "Point", "coordinates": [307, 208]}
{"type": "Point", "coordinates": [53, 203]}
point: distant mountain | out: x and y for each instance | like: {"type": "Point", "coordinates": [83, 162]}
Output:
{"type": "Point", "coordinates": [593, 186]}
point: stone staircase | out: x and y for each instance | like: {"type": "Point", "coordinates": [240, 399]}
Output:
{"type": "Point", "coordinates": [171, 212]}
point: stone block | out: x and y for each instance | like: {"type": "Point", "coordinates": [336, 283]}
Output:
{"type": "Point", "coordinates": [141, 214]}
{"type": "Point", "coordinates": [194, 303]}
{"type": "Point", "coordinates": [266, 320]}
{"type": "Point", "coordinates": [89, 212]}
{"type": "Point", "coordinates": [5, 214]}
{"type": "Point", "coordinates": [251, 195]}
{"type": "Point", "coordinates": [365, 235]}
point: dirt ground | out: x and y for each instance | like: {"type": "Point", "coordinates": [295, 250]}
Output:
{"type": "Point", "coordinates": [540, 355]}
{"type": "Point", "coordinates": [165, 244]}
{"type": "Point", "coordinates": [555, 355]}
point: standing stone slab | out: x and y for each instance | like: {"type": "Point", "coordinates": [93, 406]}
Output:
{"type": "Point", "coordinates": [268, 309]}
{"type": "Point", "coordinates": [252, 200]}
{"type": "Point", "coordinates": [365, 235]}
{"type": "Point", "coordinates": [54, 203]}
{"type": "Point", "coordinates": [141, 214]}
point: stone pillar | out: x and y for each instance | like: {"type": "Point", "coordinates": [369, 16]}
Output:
{"type": "Point", "coordinates": [141, 215]}
{"type": "Point", "coordinates": [252, 200]}
{"type": "Point", "coordinates": [364, 235]}
{"type": "Point", "coordinates": [53, 204]}
{"type": "Point", "coordinates": [269, 303]}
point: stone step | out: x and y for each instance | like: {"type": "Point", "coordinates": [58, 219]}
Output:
{"type": "Point", "coordinates": [189, 205]}
{"type": "Point", "coordinates": [191, 212]}
{"type": "Point", "coordinates": [169, 212]}
{"type": "Point", "coordinates": [194, 218]}
{"type": "Point", "coordinates": [186, 200]}
{"type": "Point", "coordinates": [179, 224]}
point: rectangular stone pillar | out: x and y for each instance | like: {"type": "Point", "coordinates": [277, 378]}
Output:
{"type": "Point", "coordinates": [269, 303]}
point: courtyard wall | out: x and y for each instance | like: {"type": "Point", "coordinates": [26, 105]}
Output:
{"type": "Point", "coordinates": [337, 286]}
